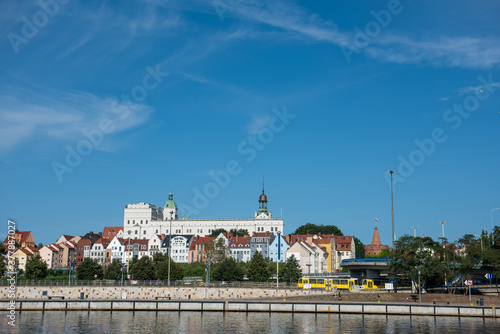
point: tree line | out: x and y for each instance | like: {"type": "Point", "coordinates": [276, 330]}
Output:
{"type": "Point", "coordinates": [440, 262]}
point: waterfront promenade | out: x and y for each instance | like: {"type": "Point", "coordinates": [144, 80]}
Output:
{"type": "Point", "coordinates": [339, 307]}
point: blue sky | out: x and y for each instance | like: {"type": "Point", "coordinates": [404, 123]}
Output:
{"type": "Point", "coordinates": [105, 103]}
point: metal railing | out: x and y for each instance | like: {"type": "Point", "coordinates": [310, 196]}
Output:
{"type": "Point", "coordinates": [366, 260]}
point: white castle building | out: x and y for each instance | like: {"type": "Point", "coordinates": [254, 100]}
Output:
{"type": "Point", "coordinates": [143, 220]}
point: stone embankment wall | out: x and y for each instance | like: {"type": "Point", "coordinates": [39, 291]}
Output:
{"type": "Point", "coordinates": [143, 292]}
{"type": "Point", "coordinates": [250, 306]}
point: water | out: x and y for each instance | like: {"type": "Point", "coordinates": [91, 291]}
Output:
{"type": "Point", "coordinates": [216, 322]}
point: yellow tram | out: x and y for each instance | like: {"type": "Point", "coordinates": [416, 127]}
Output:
{"type": "Point", "coordinates": [330, 283]}
{"type": "Point", "coordinates": [374, 283]}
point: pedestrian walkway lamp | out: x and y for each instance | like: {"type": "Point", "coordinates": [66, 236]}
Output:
{"type": "Point", "coordinates": [419, 289]}
{"type": "Point", "coordinates": [309, 280]}
{"type": "Point", "coordinates": [491, 213]}
{"type": "Point", "coordinates": [392, 206]}
{"type": "Point", "coordinates": [169, 246]}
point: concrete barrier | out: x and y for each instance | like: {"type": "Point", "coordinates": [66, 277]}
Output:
{"type": "Point", "coordinates": [168, 306]}
{"type": "Point", "coordinates": [253, 306]}
{"type": "Point", "coordinates": [398, 309]}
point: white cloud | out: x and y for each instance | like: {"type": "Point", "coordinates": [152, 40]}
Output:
{"type": "Point", "coordinates": [59, 115]}
{"type": "Point", "coordinates": [476, 89]}
{"type": "Point", "coordinates": [258, 123]}
{"type": "Point", "coordinates": [455, 51]}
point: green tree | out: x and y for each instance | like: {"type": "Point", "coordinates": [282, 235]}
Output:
{"type": "Point", "coordinates": [215, 233]}
{"type": "Point", "coordinates": [412, 255]}
{"type": "Point", "coordinates": [216, 251]}
{"type": "Point", "coordinates": [143, 269]}
{"type": "Point", "coordinates": [239, 233]}
{"type": "Point", "coordinates": [36, 268]}
{"type": "Point", "coordinates": [257, 270]}
{"type": "Point", "coordinates": [193, 269]}
{"type": "Point", "coordinates": [176, 272]}
{"type": "Point", "coordinates": [359, 248]}
{"type": "Point", "coordinates": [316, 229]}
{"type": "Point", "coordinates": [471, 255]}
{"type": "Point", "coordinates": [88, 268]}
{"type": "Point", "coordinates": [271, 267]}
{"type": "Point", "coordinates": [2, 265]}
{"type": "Point", "coordinates": [291, 271]}
{"type": "Point", "coordinates": [384, 254]}
{"type": "Point", "coordinates": [492, 255]}
{"type": "Point", "coordinates": [228, 270]}
{"type": "Point", "coordinates": [114, 270]}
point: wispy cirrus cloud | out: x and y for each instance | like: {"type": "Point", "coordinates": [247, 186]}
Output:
{"type": "Point", "coordinates": [476, 89]}
{"type": "Point", "coordinates": [257, 123]}
{"type": "Point", "coordinates": [442, 51]}
{"type": "Point", "coordinates": [58, 114]}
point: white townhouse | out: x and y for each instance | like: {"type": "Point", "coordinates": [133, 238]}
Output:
{"type": "Point", "coordinates": [136, 247]}
{"type": "Point", "coordinates": [117, 248]}
{"type": "Point", "coordinates": [180, 247]}
{"type": "Point", "coordinates": [98, 250]}
{"type": "Point", "coordinates": [154, 244]}
{"type": "Point", "coordinates": [239, 248]}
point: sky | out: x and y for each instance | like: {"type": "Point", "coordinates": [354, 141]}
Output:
{"type": "Point", "coordinates": [107, 103]}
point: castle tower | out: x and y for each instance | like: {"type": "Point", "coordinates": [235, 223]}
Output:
{"type": "Point", "coordinates": [263, 201]}
{"type": "Point", "coordinates": [170, 206]}
{"type": "Point", "coordinates": [376, 238]}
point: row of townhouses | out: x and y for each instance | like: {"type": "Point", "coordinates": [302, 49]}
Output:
{"type": "Point", "coordinates": [148, 230]}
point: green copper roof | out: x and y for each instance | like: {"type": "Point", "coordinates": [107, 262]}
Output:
{"type": "Point", "coordinates": [170, 204]}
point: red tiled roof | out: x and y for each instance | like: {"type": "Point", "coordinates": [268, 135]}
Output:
{"type": "Point", "coordinates": [200, 241]}
{"type": "Point", "coordinates": [261, 234]}
{"type": "Point", "coordinates": [111, 231]}
{"type": "Point", "coordinates": [24, 235]}
{"type": "Point", "coordinates": [22, 250]}
{"type": "Point", "coordinates": [32, 249]}
{"type": "Point", "coordinates": [237, 241]}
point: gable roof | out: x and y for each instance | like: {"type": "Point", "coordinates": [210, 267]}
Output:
{"type": "Point", "coordinates": [19, 236]}
{"type": "Point", "coordinates": [197, 240]}
{"type": "Point", "coordinates": [111, 231]}
{"type": "Point", "coordinates": [240, 242]}
{"type": "Point", "coordinates": [343, 243]}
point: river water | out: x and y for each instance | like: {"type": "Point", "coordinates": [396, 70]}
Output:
{"type": "Point", "coordinates": [217, 322]}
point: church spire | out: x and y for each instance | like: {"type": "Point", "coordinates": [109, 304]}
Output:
{"type": "Point", "coordinates": [263, 200]}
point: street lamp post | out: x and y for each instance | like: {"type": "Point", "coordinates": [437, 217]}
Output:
{"type": "Point", "coordinates": [169, 246]}
{"type": "Point", "coordinates": [121, 284]}
{"type": "Point", "coordinates": [444, 253]}
{"type": "Point", "coordinates": [442, 225]}
{"type": "Point", "coordinates": [392, 206]}
{"type": "Point", "coordinates": [309, 280]}
{"type": "Point", "coordinates": [419, 289]}
{"type": "Point", "coordinates": [491, 213]}
{"type": "Point", "coordinates": [278, 261]}
{"type": "Point", "coordinates": [128, 253]}
{"type": "Point", "coordinates": [414, 231]}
